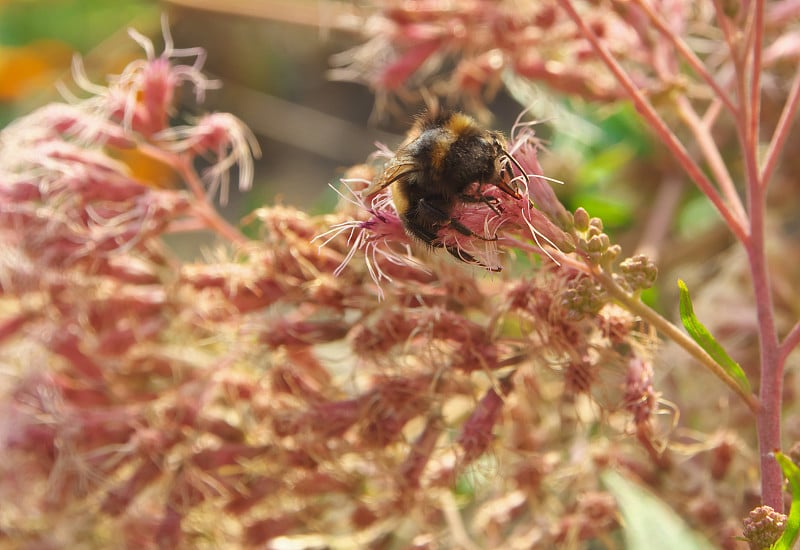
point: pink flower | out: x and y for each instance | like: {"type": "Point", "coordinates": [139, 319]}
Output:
{"type": "Point", "coordinates": [381, 237]}
{"type": "Point", "coordinates": [509, 220]}
{"type": "Point", "coordinates": [142, 96]}
{"type": "Point", "coordinates": [221, 139]}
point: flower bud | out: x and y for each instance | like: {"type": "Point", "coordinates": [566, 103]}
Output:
{"type": "Point", "coordinates": [639, 272]}
{"type": "Point", "coordinates": [763, 527]}
{"type": "Point", "coordinates": [581, 219]}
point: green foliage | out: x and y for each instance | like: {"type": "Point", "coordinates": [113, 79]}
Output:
{"type": "Point", "coordinates": [602, 128]}
{"type": "Point", "coordinates": [603, 145]}
{"type": "Point", "coordinates": [792, 473]}
{"type": "Point", "coordinates": [648, 521]}
{"type": "Point", "coordinates": [614, 211]}
{"type": "Point", "coordinates": [697, 216]}
{"type": "Point", "coordinates": [703, 337]}
{"type": "Point", "coordinates": [80, 23]}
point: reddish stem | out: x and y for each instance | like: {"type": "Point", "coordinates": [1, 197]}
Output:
{"type": "Point", "coordinates": [648, 112]}
{"type": "Point", "coordinates": [712, 112]}
{"type": "Point", "coordinates": [710, 151]}
{"type": "Point", "coordinates": [755, 81]}
{"type": "Point", "coordinates": [747, 59]}
{"type": "Point", "coordinates": [201, 207]}
{"type": "Point", "coordinates": [660, 217]}
{"type": "Point", "coordinates": [691, 58]}
{"type": "Point", "coordinates": [771, 390]}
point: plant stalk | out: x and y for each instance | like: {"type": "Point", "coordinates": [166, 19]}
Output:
{"type": "Point", "coordinates": [676, 335]}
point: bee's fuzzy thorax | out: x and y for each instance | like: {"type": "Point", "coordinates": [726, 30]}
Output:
{"type": "Point", "coordinates": [459, 124]}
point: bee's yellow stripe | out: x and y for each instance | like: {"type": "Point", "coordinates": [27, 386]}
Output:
{"type": "Point", "coordinates": [400, 200]}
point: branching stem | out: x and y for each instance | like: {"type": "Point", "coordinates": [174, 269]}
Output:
{"type": "Point", "coordinates": [712, 155]}
{"type": "Point", "coordinates": [691, 58]}
{"type": "Point", "coordinates": [781, 130]}
{"type": "Point", "coordinates": [200, 206]}
{"type": "Point", "coordinates": [648, 112]}
{"type": "Point", "coordinates": [745, 46]}
{"type": "Point", "coordinates": [675, 334]}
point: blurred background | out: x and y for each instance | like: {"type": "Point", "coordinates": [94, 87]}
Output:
{"type": "Point", "coordinates": [271, 56]}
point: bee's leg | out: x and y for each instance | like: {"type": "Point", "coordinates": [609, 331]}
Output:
{"type": "Point", "coordinates": [464, 230]}
{"type": "Point", "coordinates": [428, 232]}
{"type": "Point", "coordinates": [422, 233]}
{"type": "Point", "coordinates": [470, 259]}
{"type": "Point", "coordinates": [429, 210]}
{"type": "Point", "coordinates": [424, 221]}
{"type": "Point", "coordinates": [491, 202]}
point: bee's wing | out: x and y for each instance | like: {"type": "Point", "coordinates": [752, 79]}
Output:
{"type": "Point", "coordinates": [397, 169]}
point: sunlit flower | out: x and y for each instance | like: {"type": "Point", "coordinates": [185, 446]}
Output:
{"type": "Point", "coordinates": [142, 96]}
{"type": "Point", "coordinates": [224, 141]}
{"type": "Point", "coordinates": [380, 237]}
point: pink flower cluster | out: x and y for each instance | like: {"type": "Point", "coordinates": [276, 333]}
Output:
{"type": "Point", "coordinates": [149, 402]}
{"type": "Point", "coordinates": [537, 216]}
{"type": "Point", "coordinates": [470, 49]}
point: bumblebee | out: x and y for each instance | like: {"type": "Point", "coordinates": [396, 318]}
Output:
{"type": "Point", "coordinates": [434, 170]}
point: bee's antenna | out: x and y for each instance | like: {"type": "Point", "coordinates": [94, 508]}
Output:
{"type": "Point", "coordinates": [516, 163]}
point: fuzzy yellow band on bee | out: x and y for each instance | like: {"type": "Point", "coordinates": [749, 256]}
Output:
{"type": "Point", "coordinates": [399, 199]}
{"type": "Point", "coordinates": [459, 123]}
{"type": "Point", "coordinates": [441, 148]}
{"type": "Point", "coordinates": [455, 125]}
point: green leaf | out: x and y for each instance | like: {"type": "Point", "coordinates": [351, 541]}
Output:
{"type": "Point", "coordinates": [792, 473]}
{"type": "Point", "coordinates": [80, 23]}
{"type": "Point", "coordinates": [648, 521]}
{"type": "Point", "coordinates": [702, 336]}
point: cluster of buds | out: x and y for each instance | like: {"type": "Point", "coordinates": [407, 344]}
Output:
{"type": "Point", "coordinates": [638, 272]}
{"type": "Point", "coordinates": [592, 242]}
{"type": "Point", "coordinates": [763, 527]}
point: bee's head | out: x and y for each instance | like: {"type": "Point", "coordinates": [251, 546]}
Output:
{"type": "Point", "coordinates": [495, 141]}
{"type": "Point", "coordinates": [504, 164]}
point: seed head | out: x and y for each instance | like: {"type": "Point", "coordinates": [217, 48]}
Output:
{"type": "Point", "coordinates": [763, 527]}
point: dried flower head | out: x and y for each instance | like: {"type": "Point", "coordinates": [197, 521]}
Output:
{"type": "Point", "coordinates": [763, 527]}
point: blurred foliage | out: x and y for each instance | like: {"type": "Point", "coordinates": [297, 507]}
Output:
{"type": "Point", "coordinates": [696, 216]}
{"type": "Point", "coordinates": [603, 151]}
{"type": "Point", "coordinates": [81, 24]}
{"type": "Point", "coordinates": [649, 521]}
{"type": "Point", "coordinates": [39, 38]}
